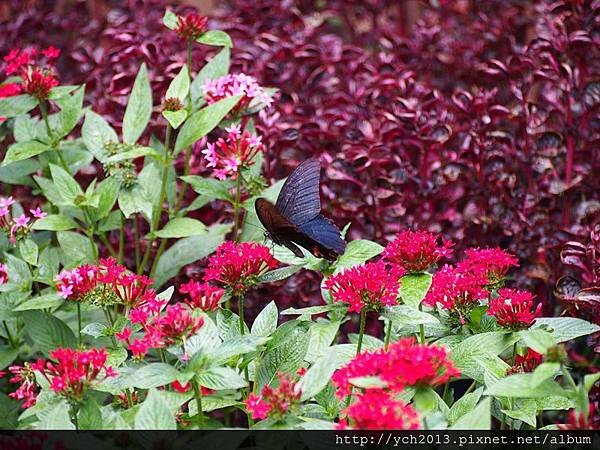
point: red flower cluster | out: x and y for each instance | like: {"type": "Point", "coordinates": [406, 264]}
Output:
{"type": "Point", "coordinates": [405, 363]}
{"type": "Point", "coordinates": [457, 290]}
{"type": "Point", "coordinates": [70, 374]}
{"type": "Point", "coordinates": [375, 409]}
{"type": "Point", "coordinates": [369, 285]}
{"type": "Point", "coordinates": [18, 227]}
{"type": "Point", "coordinates": [3, 274]}
{"type": "Point", "coordinates": [192, 26]}
{"type": "Point", "coordinates": [514, 309]}
{"type": "Point", "coordinates": [416, 251]}
{"type": "Point", "coordinates": [9, 90]}
{"type": "Point", "coordinates": [37, 77]}
{"type": "Point", "coordinates": [494, 262]}
{"type": "Point", "coordinates": [275, 403]}
{"type": "Point", "coordinates": [203, 296]}
{"type": "Point", "coordinates": [237, 266]}
{"type": "Point", "coordinates": [230, 85]}
{"type": "Point", "coordinates": [527, 362]}
{"type": "Point", "coordinates": [228, 156]}
{"type": "Point", "coordinates": [579, 420]}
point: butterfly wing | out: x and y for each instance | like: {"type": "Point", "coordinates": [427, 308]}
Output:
{"type": "Point", "coordinates": [299, 199]}
{"type": "Point", "coordinates": [323, 231]}
{"type": "Point", "coordinates": [279, 229]}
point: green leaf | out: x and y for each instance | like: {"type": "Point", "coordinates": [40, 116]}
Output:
{"type": "Point", "coordinates": [19, 275]}
{"type": "Point", "coordinates": [47, 331]}
{"type": "Point", "coordinates": [403, 315]}
{"type": "Point", "coordinates": [96, 133]}
{"type": "Point", "coordinates": [29, 251]}
{"type": "Point", "coordinates": [7, 356]}
{"type": "Point", "coordinates": [464, 405]}
{"type": "Point", "coordinates": [76, 247]}
{"type": "Point", "coordinates": [278, 274]}
{"type": "Point", "coordinates": [187, 251]}
{"type": "Point", "coordinates": [266, 321]}
{"type": "Point", "coordinates": [24, 150]}
{"type": "Point", "coordinates": [322, 334]}
{"type": "Point", "coordinates": [56, 417]}
{"type": "Point", "coordinates": [520, 386]}
{"type": "Point", "coordinates": [219, 378]}
{"type": "Point", "coordinates": [95, 329]}
{"type": "Point", "coordinates": [175, 118]}
{"type": "Point", "coordinates": [543, 372]}
{"type": "Point", "coordinates": [203, 122]}
{"type": "Point", "coordinates": [112, 222]}
{"type": "Point", "coordinates": [590, 379]}
{"type": "Point", "coordinates": [357, 252]}
{"type": "Point", "coordinates": [237, 345]}
{"type": "Point", "coordinates": [566, 328]}
{"type": "Point", "coordinates": [217, 67]}
{"type": "Point", "coordinates": [215, 37]}
{"type": "Point", "coordinates": [27, 129]}
{"type": "Point", "coordinates": [139, 107]}
{"type": "Point", "coordinates": [157, 374]}
{"type": "Point", "coordinates": [41, 302]}
{"type": "Point", "coordinates": [61, 91]}
{"type": "Point", "coordinates": [206, 339]}
{"type": "Point", "coordinates": [526, 412]}
{"type": "Point", "coordinates": [71, 109]}
{"type": "Point", "coordinates": [136, 152]}
{"type": "Point", "coordinates": [306, 313]}
{"type": "Point", "coordinates": [17, 105]}
{"type": "Point", "coordinates": [170, 19]}
{"type": "Point", "coordinates": [54, 222]}
{"type": "Point", "coordinates": [538, 339]}
{"type": "Point", "coordinates": [218, 189]}
{"type": "Point", "coordinates": [89, 415]}
{"type": "Point", "coordinates": [181, 227]}
{"type": "Point", "coordinates": [68, 189]}
{"type": "Point", "coordinates": [317, 376]}
{"type": "Point", "coordinates": [414, 287]}
{"type": "Point", "coordinates": [107, 193]}
{"type": "Point", "coordinates": [180, 85]}
{"type": "Point", "coordinates": [479, 418]}
{"type": "Point", "coordinates": [154, 414]}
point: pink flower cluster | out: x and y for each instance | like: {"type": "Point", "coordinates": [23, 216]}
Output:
{"type": "Point", "coordinates": [231, 85]}
{"type": "Point", "coordinates": [18, 227]}
{"type": "Point", "coordinates": [203, 296]}
{"type": "Point", "coordinates": [494, 262]}
{"type": "Point", "coordinates": [237, 151]}
{"type": "Point", "coordinates": [37, 77]}
{"type": "Point", "coordinates": [3, 274]}
{"type": "Point", "coordinates": [237, 266]}
{"type": "Point", "coordinates": [514, 309]}
{"type": "Point", "coordinates": [375, 409]}
{"type": "Point", "coordinates": [191, 26]}
{"type": "Point", "coordinates": [69, 373]}
{"type": "Point", "coordinates": [405, 363]}
{"type": "Point", "coordinates": [275, 403]}
{"type": "Point", "coordinates": [370, 285]}
{"type": "Point", "coordinates": [416, 251]}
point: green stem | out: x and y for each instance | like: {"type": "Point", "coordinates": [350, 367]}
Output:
{"type": "Point", "coordinates": [121, 243]}
{"type": "Point", "coordinates": [79, 323]}
{"type": "Point", "coordinates": [471, 387]}
{"type": "Point", "coordinates": [242, 332]}
{"type": "Point", "coordinates": [110, 324]}
{"type": "Point", "coordinates": [361, 331]}
{"type": "Point", "coordinates": [388, 334]}
{"type": "Point", "coordinates": [446, 385]}
{"type": "Point", "coordinates": [109, 246]}
{"type": "Point", "coordinates": [236, 207]}
{"type": "Point", "coordinates": [159, 252]}
{"type": "Point", "coordinates": [514, 354]}
{"type": "Point", "coordinates": [422, 333]}
{"type": "Point", "coordinates": [568, 377]}
{"type": "Point", "coordinates": [74, 412]}
{"type": "Point", "coordinates": [198, 397]}
{"type": "Point", "coordinates": [9, 335]}
{"type": "Point", "coordinates": [44, 112]}
{"type": "Point", "coordinates": [136, 236]}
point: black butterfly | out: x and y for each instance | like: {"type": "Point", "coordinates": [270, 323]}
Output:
{"type": "Point", "coordinates": [296, 217]}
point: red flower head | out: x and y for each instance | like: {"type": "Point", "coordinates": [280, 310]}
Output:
{"type": "Point", "coordinates": [3, 274]}
{"type": "Point", "coordinates": [228, 156]}
{"type": "Point", "coordinates": [237, 266]}
{"type": "Point", "coordinates": [494, 262]}
{"type": "Point", "coordinates": [375, 409]}
{"type": "Point", "coordinates": [75, 284]}
{"type": "Point", "coordinates": [275, 403]}
{"type": "Point", "coordinates": [28, 389]}
{"type": "Point", "coordinates": [526, 363]}
{"type": "Point", "coordinates": [192, 26]}
{"type": "Point", "coordinates": [514, 309]}
{"type": "Point", "coordinates": [579, 420]}
{"type": "Point", "coordinates": [231, 85]}
{"type": "Point", "coordinates": [369, 285]}
{"type": "Point", "coordinates": [416, 251]}
{"type": "Point", "coordinates": [38, 77]}
{"type": "Point", "coordinates": [202, 295]}
{"type": "Point", "coordinates": [405, 363]}
{"type": "Point", "coordinates": [457, 290]}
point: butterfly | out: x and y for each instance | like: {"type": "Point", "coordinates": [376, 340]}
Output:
{"type": "Point", "coordinates": [296, 220]}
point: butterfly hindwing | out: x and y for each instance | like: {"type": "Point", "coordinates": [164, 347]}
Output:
{"type": "Point", "coordinates": [323, 231]}
{"type": "Point", "coordinates": [299, 199]}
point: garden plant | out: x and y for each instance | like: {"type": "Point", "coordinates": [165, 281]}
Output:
{"type": "Point", "coordinates": [138, 290]}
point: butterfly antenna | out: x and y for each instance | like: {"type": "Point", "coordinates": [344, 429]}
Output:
{"type": "Point", "coordinates": [253, 225]}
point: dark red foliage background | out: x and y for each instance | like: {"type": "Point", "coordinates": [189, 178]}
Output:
{"type": "Point", "coordinates": [475, 119]}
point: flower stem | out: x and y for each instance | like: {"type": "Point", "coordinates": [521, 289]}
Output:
{"type": "Point", "coordinates": [44, 113]}
{"type": "Point", "coordinates": [236, 206]}
{"type": "Point", "coordinates": [568, 376]}
{"type": "Point", "coordinates": [361, 331]}
{"type": "Point", "coordinates": [242, 332]}
{"type": "Point", "coordinates": [121, 243]}
{"type": "Point", "coordinates": [198, 397]}
{"type": "Point", "coordinates": [9, 335]}
{"type": "Point", "coordinates": [74, 412]}
{"type": "Point", "coordinates": [79, 323]}
{"type": "Point", "coordinates": [136, 237]}
{"type": "Point", "coordinates": [388, 334]}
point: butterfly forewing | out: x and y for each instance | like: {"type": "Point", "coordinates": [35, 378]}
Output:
{"type": "Point", "coordinates": [299, 199]}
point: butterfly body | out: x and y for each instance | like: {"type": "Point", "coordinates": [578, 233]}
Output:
{"type": "Point", "coordinates": [296, 220]}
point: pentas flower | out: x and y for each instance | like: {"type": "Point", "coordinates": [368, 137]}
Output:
{"type": "Point", "coordinates": [203, 296]}
{"type": "Point", "coordinates": [405, 363]}
{"type": "Point", "coordinates": [16, 227]}
{"type": "Point", "coordinates": [369, 285]}
{"type": "Point", "coordinates": [275, 403]}
{"type": "Point", "coordinates": [375, 409]}
{"type": "Point", "coordinates": [37, 77]}
{"type": "Point", "coordinates": [28, 388]}
{"type": "Point", "coordinates": [191, 26]}
{"type": "Point", "coordinates": [527, 362]}
{"type": "Point", "coordinates": [580, 420]}
{"type": "Point", "coordinates": [3, 274]}
{"type": "Point", "coordinates": [76, 283]}
{"type": "Point", "coordinates": [237, 266]}
{"type": "Point", "coordinates": [457, 290]}
{"type": "Point", "coordinates": [228, 156]}
{"type": "Point", "coordinates": [514, 309]}
{"type": "Point", "coordinates": [231, 85]}
{"type": "Point", "coordinates": [416, 251]}
{"type": "Point", "coordinates": [494, 262]}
